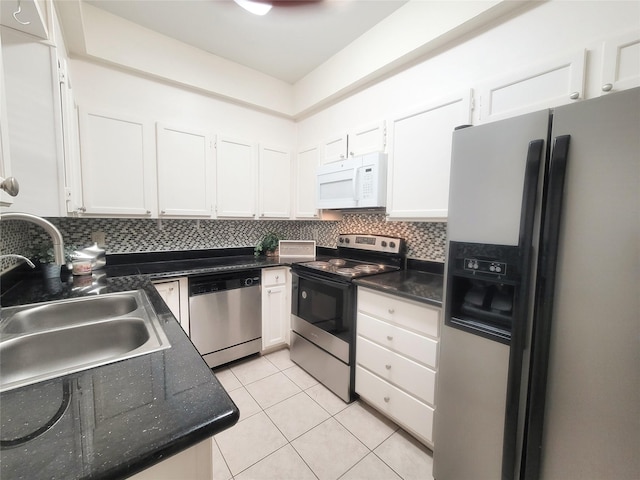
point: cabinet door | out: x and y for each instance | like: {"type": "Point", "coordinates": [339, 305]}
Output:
{"type": "Point", "coordinates": [549, 84]}
{"type": "Point", "coordinates": [5, 159]}
{"type": "Point", "coordinates": [275, 182]}
{"type": "Point", "coordinates": [184, 172]}
{"type": "Point", "coordinates": [34, 127]}
{"type": "Point", "coordinates": [307, 162]}
{"type": "Point", "coordinates": [274, 316]}
{"type": "Point", "coordinates": [621, 62]}
{"type": "Point", "coordinates": [235, 182]}
{"type": "Point", "coordinates": [367, 139]}
{"type": "Point", "coordinates": [117, 164]}
{"type": "Point", "coordinates": [420, 157]}
{"type": "Point", "coordinates": [69, 111]}
{"type": "Point", "coordinates": [335, 148]}
{"type": "Point", "coordinates": [170, 293]}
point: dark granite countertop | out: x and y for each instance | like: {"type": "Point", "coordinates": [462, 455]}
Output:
{"type": "Point", "coordinates": [117, 419]}
{"type": "Point", "coordinates": [412, 284]}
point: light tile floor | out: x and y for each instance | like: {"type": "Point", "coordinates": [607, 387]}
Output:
{"type": "Point", "coordinates": [292, 427]}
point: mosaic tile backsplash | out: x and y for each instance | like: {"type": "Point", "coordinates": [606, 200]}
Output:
{"type": "Point", "coordinates": [425, 241]}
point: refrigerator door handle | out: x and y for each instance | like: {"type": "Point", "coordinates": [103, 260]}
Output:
{"type": "Point", "coordinates": [519, 325]}
{"type": "Point", "coordinates": [544, 307]}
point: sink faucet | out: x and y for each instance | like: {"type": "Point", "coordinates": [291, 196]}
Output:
{"type": "Point", "coordinates": [50, 228]}
{"type": "Point", "coordinates": [20, 257]}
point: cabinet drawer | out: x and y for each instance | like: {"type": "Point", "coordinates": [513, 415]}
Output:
{"type": "Point", "coordinates": [274, 276]}
{"type": "Point", "coordinates": [410, 344]}
{"type": "Point", "coordinates": [410, 413]}
{"type": "Point", "coordinates": [412, 377]}
{"type": "Point", "coordinates": [406, 313]}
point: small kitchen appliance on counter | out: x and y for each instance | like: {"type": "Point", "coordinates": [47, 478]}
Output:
{"type": "Point", "coordinates": [323, 306]}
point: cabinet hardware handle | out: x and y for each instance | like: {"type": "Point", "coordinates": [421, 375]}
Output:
{"type": "Point", "coordinates": [386, 399]}
{"type": "Point", "coordinates": [148, 212]}
{"type": "Point", "coordinates": [82, 209]}
{"type": "Point", "coordinates": [387, 366]}
{"type": "Point", "coordinates": [607, 87]}
{"type": "Point", "coordinates": [391, 310]}
{"type": "Point", "coordinates": [389, 337]}
{"type": "Point", "coordinates": [171, 289]}
{"type": "Point", "coordinates": [162, 212]}
{"type": "Point", "coordinates": [574, 95]}
{"type": "Point", "coordinates": [269, 292]}
{"type": "Point", "coordinates": [277, 277]}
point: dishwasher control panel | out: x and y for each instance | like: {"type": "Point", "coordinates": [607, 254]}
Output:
{"type": "Point", "coordinates": [213, 283]}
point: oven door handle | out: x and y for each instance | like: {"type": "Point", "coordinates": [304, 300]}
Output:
{"type": "Point", "coordinates": [320, 278]}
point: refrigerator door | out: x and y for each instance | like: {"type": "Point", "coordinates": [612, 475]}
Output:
{"type": "Point", "coordinates": [487, 176]}
{"type": "Point", "coordinates": [487, 187]}
{"type": "Point", "coordinates": [591, 407]}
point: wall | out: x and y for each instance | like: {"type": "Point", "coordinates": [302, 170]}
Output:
{"type": "Point", "coordinates": [424, 240]}
{"type": "Point", "coordinates": [509, 44]}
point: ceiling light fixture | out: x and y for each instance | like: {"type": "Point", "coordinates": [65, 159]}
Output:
{"type": "Point", "coordinates": [255, 6]}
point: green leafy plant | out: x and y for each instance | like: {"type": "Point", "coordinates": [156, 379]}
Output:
{"type": "Point", "coordinates": [43, 253]}
{"type": "Point", "coordinates": [268, 244]}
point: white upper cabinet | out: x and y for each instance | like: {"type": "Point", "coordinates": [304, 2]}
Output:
{"type": "Point", "coordinates": [31, 129]}
{"type": "Point", "coordinates": [621, 62]}
{"type": "Point", "coordinates": [5, 154]}
{"type": "Point", "coordinates": [275, 182]}
{"type": "Point", "coordinates": [307, 162]}
{"type": "Point", "coordinates": [117, 161]}
{"type": "Point", "coordinates": [420, 157]}
{"type": "Point", "coordinates": [367, 139]}
{"type": "Point", "coordinates": [360, 140]}
{"type": "Point", "coordinates": [235, 178]}
{"type": "Point", "coordinates": [185, 169]}
{"type": "Point", "coordinates": [335, 148]}
{"type": "Point", "coordinates": [555, 82]}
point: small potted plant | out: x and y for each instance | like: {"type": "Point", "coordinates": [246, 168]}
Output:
{"type": "Point", "coordinates": [43, 255]}
{"type": "Point", "coordinates": [268, 245]}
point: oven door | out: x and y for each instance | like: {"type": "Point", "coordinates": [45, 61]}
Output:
{"type": "Point", "coordinates": [322, 311]}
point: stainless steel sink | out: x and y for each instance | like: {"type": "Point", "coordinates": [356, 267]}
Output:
{"type": "Point", "coordinates": [48, 340]}
{"type": "Point", "coordinates": [68, 313]}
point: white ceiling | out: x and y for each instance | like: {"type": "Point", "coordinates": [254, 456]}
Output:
{"type": "Point", "coordinates": [287, 43]}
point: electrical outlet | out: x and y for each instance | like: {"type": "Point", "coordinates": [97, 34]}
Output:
{"type": "Point", "coordinates": [99, 238]}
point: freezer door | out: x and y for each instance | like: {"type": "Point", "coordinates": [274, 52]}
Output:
{"type": "Point", "coordinates": [487, 178]}
{"type": "Point", "coordinates": [591, 408]}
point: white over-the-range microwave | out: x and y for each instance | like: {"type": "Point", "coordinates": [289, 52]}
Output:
{"type": "Point", "coordinates": [357, 182]}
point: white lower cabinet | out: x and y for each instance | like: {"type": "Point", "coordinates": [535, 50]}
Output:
{"type": "Point", "coordinates": [175, 294]}
{"type": "Point", "coordinates": [193, 463]}
{"type": "Point", "coordinates": [396, 359]}
{"type": "Point", "coordinates": [276, 307]}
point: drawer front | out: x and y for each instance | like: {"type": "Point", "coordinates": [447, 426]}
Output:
{"type": "Point", "coordinates": [411, 414]}
{"type": "Point", "coordinates": [406, 313]}
{"type": "Point", "coordinates": [410, 344]}
{"type": "Point", "coordinates": [410, 376]}
{"type": "Point", "coordinates": [274, 276]}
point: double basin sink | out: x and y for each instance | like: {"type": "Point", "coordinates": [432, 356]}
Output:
{"type": "Point", "coordinates": [47, 340]}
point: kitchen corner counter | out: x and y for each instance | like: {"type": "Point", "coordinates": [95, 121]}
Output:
{"type": "Point", "coordinates": [114, 420]}
{"type": "Point", "coordinates": [416, 285]}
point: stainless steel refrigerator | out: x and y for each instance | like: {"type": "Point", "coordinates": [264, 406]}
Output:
{"type": "Point", "coordinates": [539, 363]}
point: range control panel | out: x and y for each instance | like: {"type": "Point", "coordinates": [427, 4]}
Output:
{"type": "Point", "coordinates": [485, 266]}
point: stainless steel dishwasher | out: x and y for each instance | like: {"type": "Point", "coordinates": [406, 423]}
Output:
{"type": "Point", "coordinates": [225, 315]}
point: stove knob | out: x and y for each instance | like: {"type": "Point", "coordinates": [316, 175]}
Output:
{"type": "Point", "coordinates": [346, 240]}
{"type": "Point", "coordinates": [392, 244]}
{"type": "Point", "coordinates": [383, 243]}
{"type": "Point", "coordinates": [341, 240]}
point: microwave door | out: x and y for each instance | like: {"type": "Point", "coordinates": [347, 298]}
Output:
{"type": "Point", "coordinates": [337, 189]}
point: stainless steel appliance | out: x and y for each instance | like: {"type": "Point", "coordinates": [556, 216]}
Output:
{"type": "Point", "coordinates": [539, 353]}
{"type": "Point", "coordinates": [356, 182]}
{"type": "Point", "coordinates": [225, 315]}
{"type": "Point", "coordinates": [323, 307]}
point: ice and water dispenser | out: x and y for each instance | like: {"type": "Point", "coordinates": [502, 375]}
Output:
{"type": "Point", "coordinates": [482, 288]}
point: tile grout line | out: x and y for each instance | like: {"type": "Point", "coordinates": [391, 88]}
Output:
{"type": "Point", "coordinates": [289, 442]}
